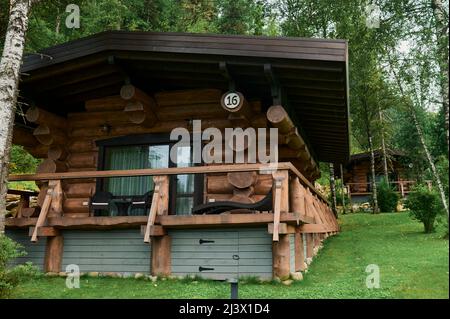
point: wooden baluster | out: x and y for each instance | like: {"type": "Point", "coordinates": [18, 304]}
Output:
{"type": "Point", "coordinates": [281, 199]}
{"type": "Point", "coordinates": [153, 208]}
{"type": "Point", "coordinates": [45, 207]}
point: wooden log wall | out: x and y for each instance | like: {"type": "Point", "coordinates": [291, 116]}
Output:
{"type": "Point", "coordinates": [69, 143]}
{"type": "Point", "coordinates": [293, 148]}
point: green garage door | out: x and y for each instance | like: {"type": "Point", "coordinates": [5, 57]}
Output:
{"type": "Point", "coordinates": [222, 253]}
{"type": "Point", "coordinates": [121, 251]}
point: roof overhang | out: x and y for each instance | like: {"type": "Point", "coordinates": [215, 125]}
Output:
{"type": "Point", "coordinates": [312, 75]}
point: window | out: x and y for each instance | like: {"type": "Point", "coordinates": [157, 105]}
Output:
{"type": "Point", "coordinates": [149, 151]}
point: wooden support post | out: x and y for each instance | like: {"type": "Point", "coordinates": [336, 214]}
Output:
{"type": "Point", "coordinates": [297, 198]}
{"type": "Point", "coordinates": [44, 209]}
{"type": "Point", "coordinates": [309, 245]}
{"type": "Point", "coordinates": [56, 206]}
{"type": "Point", "coordinates": [281, 257]}
{"type": "Point", "coordinates": [161, 256]}
{"type": "Point", "coordinates": [280, 200]}
{"type": "Point", "coordinates": [163, 205]}
{"type": "Point", "coordinates": [299, 252]}
{"type": "Point", "coordinates": [153, 208]}
{"type": "Point", "coordinates": [53, 253]}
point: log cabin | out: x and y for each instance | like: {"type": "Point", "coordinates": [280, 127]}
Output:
{"type": "Point", "coordinates": [357, 174]}
{"type": "Point", "coordinates": [100, 113]}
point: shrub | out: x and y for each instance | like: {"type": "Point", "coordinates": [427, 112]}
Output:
{"type": "Point", "coordinates": [424, 205]}
{"type": "Point", "coordinates": [387, 197]}
{"type": "Point", "coordinates": [11, 276]}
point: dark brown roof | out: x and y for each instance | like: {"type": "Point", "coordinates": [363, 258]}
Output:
{"type": "Point", "coordinates": [377, 153]}
{"type": "Point", "coordinates": [312, 74]}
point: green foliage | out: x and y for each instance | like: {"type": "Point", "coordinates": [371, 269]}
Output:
{"type": "Point", "coordinates": [387, 197]}
{"type": "Point", "coordinates": [424, 205]}
{"type": "Point", "coordinates": [21, 161]}
{"type": "Point", "coordinates": [10, 277]}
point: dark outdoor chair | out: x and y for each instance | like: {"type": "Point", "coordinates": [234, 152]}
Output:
{"type": "Point", "coordinates": [142, 202]}
{"type": "Point", "coordinates": [101, 201]}
{"type": "Point", "coordinates": [223, 206]}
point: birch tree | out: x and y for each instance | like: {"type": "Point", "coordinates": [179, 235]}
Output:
{"type": "Point", "coordinates": [9, 81]}
{"type": "Point", "coordinates": [412, 111]}
{"type": "Point", "coordinates": [441, 25]}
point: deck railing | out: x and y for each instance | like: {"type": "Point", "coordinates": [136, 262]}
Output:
{"type": "Point", "coordinates": [402, 187]}
{"type": "Point", "coordinates": [295, 202]}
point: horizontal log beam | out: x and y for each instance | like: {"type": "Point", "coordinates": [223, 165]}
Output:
{"type": "Point", "coordinates": [44, 231]}
{"type": "Point", "coordinates": [316, 228]}
{"type": "Point", "coordinates": [167, 221]}
{"type": "Point", "coordinates": [283, 228]}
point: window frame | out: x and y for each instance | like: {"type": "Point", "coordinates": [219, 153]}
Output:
{"type": "Point", "coordinates": [149, 140]}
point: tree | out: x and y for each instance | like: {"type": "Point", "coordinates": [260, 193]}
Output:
{"type": "Point", "coordinates": [333, 190]}
{"type": "Point", "coordinates": [9, 81]}
{"type": "Point", "coordinates": [410, 105]}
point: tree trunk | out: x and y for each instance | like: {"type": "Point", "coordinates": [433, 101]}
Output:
{"type": "Point", "coordinates": [442, 36]}
{"type": "Point", "coordinates": [333, 190]}
{"type": "Point", "coordinates": [372, 169]}
{"type": "Point", "coordinates": [383, 149]}
{"type": "Point", "coordinates": [342, 189]}
{"type": "Point", "coordinates": [429, 158]}
{"type": "Point", "coordinates": [436, 176]}
{"type": "Point", "coordinates": [9, 81]}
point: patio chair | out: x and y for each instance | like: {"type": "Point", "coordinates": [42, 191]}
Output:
{"type": "Point", "coordinates": [101, 201]}
{"type": "Point", "coordinates": [142, 202]}
{"type": "Point", "coordinates": [224, 206]}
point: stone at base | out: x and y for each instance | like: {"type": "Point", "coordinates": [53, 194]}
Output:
{"type": "Point", "coordinates": [51, 274]}
{"type": "Point", "coordinates": [287, 282]}
{"type": "Point", "coordinates": [297, 276]}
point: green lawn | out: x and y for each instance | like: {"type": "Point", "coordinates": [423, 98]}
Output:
{"type": "Point", "coordinates": [412, 265]}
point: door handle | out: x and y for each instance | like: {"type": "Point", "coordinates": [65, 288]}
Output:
{"type": "Point", "coordinates": [200, 269]}
{"type": "Point", "coordinates": [236, 257]}
{"type": "Point", "coordinates": [203, 241]}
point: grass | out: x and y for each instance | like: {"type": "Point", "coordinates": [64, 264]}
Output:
{"type": "Point", "coordinates": [412, 265]}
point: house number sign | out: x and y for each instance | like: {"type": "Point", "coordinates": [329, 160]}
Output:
{"type": "Point", "coordinates": [232, 101]}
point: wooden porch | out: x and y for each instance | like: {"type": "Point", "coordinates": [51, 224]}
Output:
{"type": "Point", "coordinates": [298, 208]}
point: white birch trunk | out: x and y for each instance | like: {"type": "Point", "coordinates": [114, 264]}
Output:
{"type": "Point", "coordinates": [9, 81]}
{"type": "Point", "coordinates": [442, 35]}
{"type": "Point", "coordinates": [376, 210]}
{"type": "Point", "coordinates": [430, 160]}
{"type": "Point", "coordinates": [383, 148]}
{"type": "Point", "coordinates": [333, 190]}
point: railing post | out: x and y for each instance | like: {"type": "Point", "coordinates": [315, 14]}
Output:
{"type": "Point", "coordinates": [280, 199]}
{"type": "Point", "coordinates": [52, 185]}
